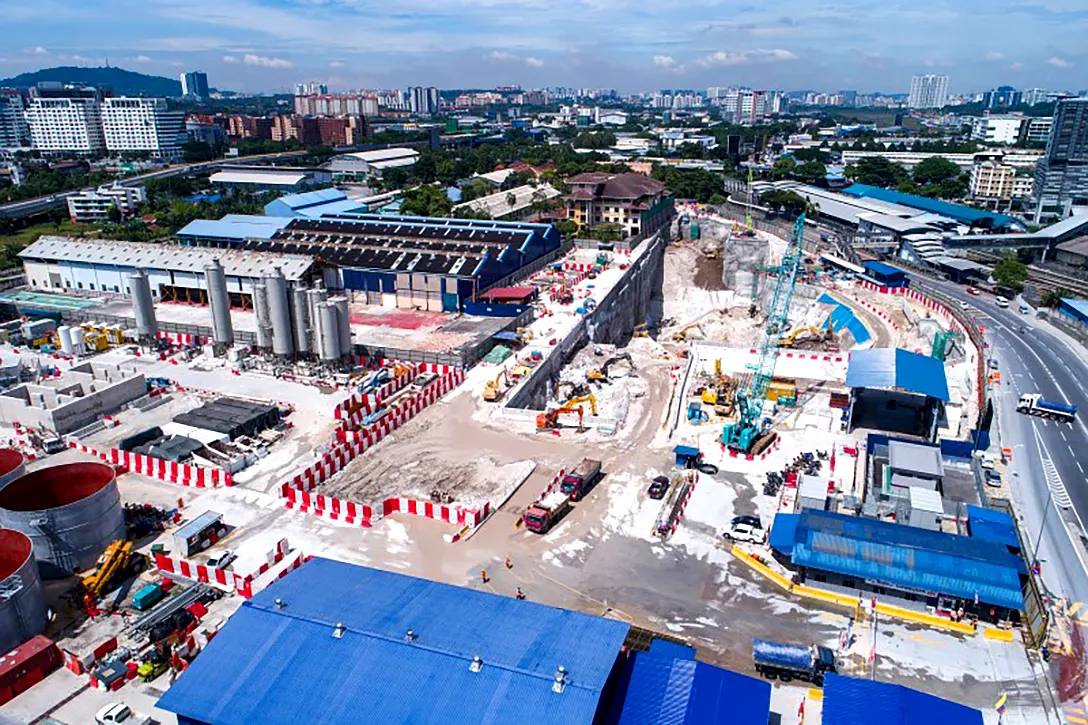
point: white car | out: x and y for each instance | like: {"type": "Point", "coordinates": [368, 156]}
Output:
{"type": "Point", "coordinates": [224, 558]}
{"type": "Point", "coordinates": [744, 532]}
{"type": "Point", "coordinates": [1001, 301]}
{"type": "Point", "coordinates": [118, 712]}
{"type": "Point", "coordinates": [964, 305]}
{"type": "Point", "coordinates": [987, 461]}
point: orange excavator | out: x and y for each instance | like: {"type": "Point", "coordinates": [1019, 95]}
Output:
{"type": "Point", "coordinates": [550, 420]}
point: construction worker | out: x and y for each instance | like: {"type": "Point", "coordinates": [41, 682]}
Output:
{"type": "Point", "coordinates": [520, 594]}
{"type": "Point", "coordinates": [508, 564]}
{"type": "Point", "coordinates": [484, 576]}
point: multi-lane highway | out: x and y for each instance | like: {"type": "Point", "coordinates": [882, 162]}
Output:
{"type": "Point", "coordinates": [1049, 459]}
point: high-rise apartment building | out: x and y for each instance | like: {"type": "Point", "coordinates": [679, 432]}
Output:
{"type": "Point", "coordinates": [313, 88]}
{"type": "Point", "coordinates": [194, 84]}
{"type": "Point", "coordinates": [1002, 97]}
{"type": "Point", "coordinates": [928, 91]}
{"type": "Point", "coordinates": [13, 129]}
{"type": "Point", "coordinates": [994, 129]}
{"type": "Point", "coordinates": [65, 119]}
{"type": "Point", "coordinates": [423, 101]}
{"type": "Point", "coordinates": [143, 124]}
{"type": "Point", "coordinates": [342, 104]}
{"type": "Point", "coordinates": [1061, 177]}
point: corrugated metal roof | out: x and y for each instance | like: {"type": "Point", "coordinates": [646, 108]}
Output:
{"type": "Point", "coordinates": [907, 557]}
{"type": "Point", "coordinates": [665, 648]}
{"type": "Point", "coordinates": [783, 532]}
{"type": "Point", "coordinates": [668, 691]}
{"type": "Point", "coordinates": [885, 270]}
{"type": "Point", "coordinates": [263, 178]}
{"type": "Point", "coordinates": [276, 666]}
{"type": "Point", "coordinates": [895, 223]}
{"type": "Point", "coordinates": [311, 198]}
{"type": "Point", "coordinates": [384, 154]}
{"type": "Point", "coordinates": [234, 227]}
{"type": "Point", "coordinates": [850, 701]}
{"type": "Point", "coordinates": [926, 499]}
{"type": "Point", "coordinates": [988, 525]}
{"type": "Point", "coordinates": [915, 458]}
{"type": "Point", "coordinates": [958, 212]}
{"type": "Point", "coordinates": [148, 255]}
{"type": "Point", "coordinates": [894, 368]}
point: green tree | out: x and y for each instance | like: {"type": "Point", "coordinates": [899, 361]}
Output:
{"type": "Point", "coordinates": [426, 200]}
{"type": "Point", "coordinates": [194, 152]}
{"type": "Point", "coordinates": [935, 170]}
{"type": "Point", "coordinates": [877, 171]}
{"type": "Point", "coordinates": [113, 214]}
{"type": "Point", "coordinates": [1010, 272]}
{"type": "Point", "coordinates": [475, 189]}
{"type": "Point", "coordinates": [810, 172]}
{"type": "Point", "coordinates": [595, 140]}
{"type": "Point", "coordinates": [783, 166]}
{"type": "Point", "coordinates": [1053, 297]}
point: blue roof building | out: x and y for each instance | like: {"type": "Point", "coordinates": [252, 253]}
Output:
{"type": "Point", "coordinates": [886, 275]}
{"type": "Point", "coordinates": [313, 204]}
{"type": "Point", "coordinates": [1075, 309]}
{"type": "Point", "coordinates": [850, 701]}
{"type": "Point", "coordinates": [959, 212]}
{"type": "Point", "coordinates": [232, 229]}
{"type": "Point", "coordinates": [660, 689]}
{"type": "Point", "coordinates": [338, 643]}
{"type": "Point", "coordinates": [906, 558]}
{"type": "Point", "coordinates": [900, 369]}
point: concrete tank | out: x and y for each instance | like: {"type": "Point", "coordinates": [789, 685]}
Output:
{"type": "Point", "coordinates": [23, 613]}
{"type": "Point", "coordinates": [330, 331]}
{"type": "Point", "coordinates": [143, 305]}
{"type": "Point", "coordinates": [343, 319]}
{"type": "Point", "coordinates": [283, 343]}
{"type": "Point", "coordinates": [264, 319]}
{"type": "Point", "coordinates": [219, 301]}
{"type": "Point", "coordinates": [78, 343]}
{"type": "Point", "coordinates": [300, 312]}
{"type": "Point", "coordinates": [71, 512]}
{"type": "Point", "coordinates": [12, 467]}
{"type": "Point", "coordinates": [315, 297]}
{"type": "Point", "coordinates": [64, 334]}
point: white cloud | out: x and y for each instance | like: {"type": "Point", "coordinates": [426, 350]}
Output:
{"type": "Point", "coordinates": [1017, 66]}
{"type": "Point", "coordinates": [140, 59]}
{"type": "Point", "coordinates": [266, 61]}
{"type": "Point", "coordinates": [993, 55]}
{"type": "Point", "coordinates": [39, 50]}
{"type": "Point", "coordinates": [338, 64]}
{"type": "Point", "coordinates": [1059, 62]}
{"type": "Point", "coordinates": [665, 61]}
{"type": "Point", "coordinates": [80, 59]}
{"type": "Point", "coordinates": [229, 59]}
{"type": "Point", "coordinates": [746, 57]}
{"type": "Point", "coordinates": [501, 56]}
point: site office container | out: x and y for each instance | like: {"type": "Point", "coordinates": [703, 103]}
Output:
{"type": "Point", "coordinates": [26, 666]}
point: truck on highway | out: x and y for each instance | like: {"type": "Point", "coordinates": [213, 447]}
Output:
{"type": "Point", "coordinates": [1033, 404]}
{"type": "Point", "coordinates": [544, 513]}
{"type": "Point", "coordinates": [789, 661]}
{"type": "Point", "coordinates": [578, 482]}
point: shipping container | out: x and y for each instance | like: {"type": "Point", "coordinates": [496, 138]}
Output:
{"type": "Point", "coordinates": [26, 666]}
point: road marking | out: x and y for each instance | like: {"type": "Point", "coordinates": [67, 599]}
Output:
{"type": "Point", "coordinates": [1071, 451]}
{"type": "Point", "coordinates": [1080, 467]}
{"type": "Point", "coordinates": [1064, 438]}
{"type": "Point", "coordinates": [1053, 479]}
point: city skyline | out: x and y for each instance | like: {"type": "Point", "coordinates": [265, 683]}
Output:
{"type": "Point", "coordinates": [268, 45]}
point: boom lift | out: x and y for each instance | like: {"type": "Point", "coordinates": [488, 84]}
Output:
{"type": "Point", "coordinates": [116, 561]}
{"type": "Point", "coordinates": [740, 436]}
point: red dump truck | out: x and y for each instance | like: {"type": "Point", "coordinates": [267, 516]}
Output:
{"type": "Point", "coordinates": [543, 514]}
{"type": "Point", "coordinates": [578, 482]}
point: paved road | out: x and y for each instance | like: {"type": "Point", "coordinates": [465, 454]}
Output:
{"type": "Point", "coordinates": [1048, 457]}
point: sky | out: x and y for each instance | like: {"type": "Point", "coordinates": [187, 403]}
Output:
{"type": "Point", "coordinates": [269, 45]}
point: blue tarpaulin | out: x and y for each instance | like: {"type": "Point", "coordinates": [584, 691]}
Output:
{"type": "Point", "coordinates": [902, 369]}
{"type": "Point", "coordinates": [850, 701]}
{"type": "Point", "coordinates": [661, 690]}
{"type": "Point", "coordinates": [989, 525]}
{"type": "Point", "coordinates": [336, 643]}
{"type": "Point", "coordinates": [907, 557]}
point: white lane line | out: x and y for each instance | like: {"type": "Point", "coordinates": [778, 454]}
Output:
{"type": "Point", "coordinates": [1063, 435]}
{"type": "Point", "coordinates": [1080, 467]}
{"type": "Point", "coordinates": [1071, 451]}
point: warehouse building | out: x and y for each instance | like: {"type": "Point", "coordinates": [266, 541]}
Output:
{"type": "Point", "coordinates": [331, 638]}
{"type": "Point", "coordinates": [176, 272]}
{"type": "Point", "coordinates": [270, 178]}
{"type": "Point", "coordinates": [230, 230]}
{"type": "Point", "coordinates": [313, 204]}
{"type": "Point", "coordinates": [362, 165]}
{"type": "Point", "coordinates": [415, 262]}
{"type": "Point", "coordinates": [963, 214]}
{"type": "Point", "coordinates": [914, 565]}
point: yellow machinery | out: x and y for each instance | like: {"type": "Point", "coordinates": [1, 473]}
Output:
{"type": "Point", "coordinates": [813, 333]}
{"type": "Point", "coordinates": [601, 373]}
{"type": "Point", "coordinates": [583, 399]}
{"type": "Point", "coordinates": [640, 330]}
{"type": "Point", "coordinates": [783, 392]}
{"type": "Point", "coordinates": [549, 420]}
{"type": "Point", "coordinates": [497, 387]}
{"type": "Point", "coordinates": [96, 341]}
{"type": "Point", "coordinates": [117, 560]}
{"type": "Point", "coordinates": [683, 334]}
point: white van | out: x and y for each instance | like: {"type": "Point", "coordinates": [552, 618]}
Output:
{"type": "Point", "coordinates": [1002, 301]}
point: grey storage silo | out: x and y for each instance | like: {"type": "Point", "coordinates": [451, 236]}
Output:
{"type": "Point", "coordinates": [219, 301]}
{"type": "Point", "coordinates": [71, 512]}
{"type": "Point", "coordinates": [12, 467]}
{"type": "Point", "coordinates": [264, 317]}
{"type": "Point", "coordinates": [283, 343]}
{"type": "Point", "coordinates": [143, 304]}
{"type": "Point", "coordinates": [315, 297]}
{"type": "Point", "coordinates": [23, 612]}
{"type": "Point", "coordinates": [300, 310]}
{"type": "Point", "coordinates": [343, 319]}
{"type": "Point", "coordinates": [64, 334]}
{"type": "Point", "coordinates": [330, 331]}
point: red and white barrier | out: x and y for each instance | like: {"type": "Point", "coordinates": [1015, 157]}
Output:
{"type": "Point", "coordinates": [427, 509]}
{"type": "Point", "coordinates": [328, 507]}
{"type": "Point", "coordinates": [168, 471]}
{"type": "Point", "coordinates": [228, 581]}
{"type": "Point", "coordinates": [184, 338]}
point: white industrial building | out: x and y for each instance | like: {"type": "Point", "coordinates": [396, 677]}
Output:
{"type": "Point", "coordinates": [498, 206]}
{"type": "Point", "coordinates": [174, 272]}
{"type": "Point", "coordinates": [908, 159]}
{"type": "Point", "coordinates": [143, 124]}
{"type": "Point", "coordinates": [997, 129]}
{"type": "Point", "coordinates": [364, 164]}
{"type": "Point", "coordinates": [92, 205]}
{"type": "Point", "coordinates": [66, 124]}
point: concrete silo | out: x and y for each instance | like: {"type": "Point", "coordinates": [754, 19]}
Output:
{"type": "Point", "coordinates": [219, 301]}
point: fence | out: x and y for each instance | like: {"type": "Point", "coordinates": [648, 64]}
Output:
{"type": "Point", "coordinates": [168, 471]}
{"type": "Point", "coordinates": [1036, 615]}
{"type": "Point", "coordinates": [229, 581]}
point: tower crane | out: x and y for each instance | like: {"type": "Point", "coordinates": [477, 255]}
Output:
{"type": "Point", "coordinates": [741, 435]}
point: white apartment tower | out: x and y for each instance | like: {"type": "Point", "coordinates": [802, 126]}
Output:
{"type": "Point", "coordinates": [143, 124]}
{"type": "Point", "coordinates": [66, 124]}
{"type": "Point", "coordinates": [928, 91]}
{"type": "Point", "coordinates": [13, 128]}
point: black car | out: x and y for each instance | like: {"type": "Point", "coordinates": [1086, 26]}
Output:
{"type": "Point", "coordinates": [659, 487]}
{"type": "Point", "coordinates": [750, 520]}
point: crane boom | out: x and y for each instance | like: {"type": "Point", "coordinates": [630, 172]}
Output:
{"type": "Point", "coordinates": [742, 434]}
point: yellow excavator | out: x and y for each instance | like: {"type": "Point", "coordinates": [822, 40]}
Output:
{"type": "Point", "coordinates": [812, 332]}
{"type": "Point", "coordinates": [496, 388]}
{"type": "Point", "coordinates": [683, 334]}
{"type": "Point", "coordinates": [601, 373]}
{"type": "Point", "coordinates": [582, 399]}
{"type": "Point", "coordinates": [116, 561]}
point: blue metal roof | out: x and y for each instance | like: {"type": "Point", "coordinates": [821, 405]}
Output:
{"type": "Point", "coordinates": [234, 227]}
{"type": "Point", "coordinates": [850, 701]}
{"type": "Point", "coordinates": [343, 206]}
{"type": "Point", "coordinates": [895, 368]}
{"type": "Point", "coordinates": [664, 690]}
{"type": "Point", "coordinates": [884, 270]}
{"type": "Point", "coordinates": [283, 666]}
{"type": "Point", "coordinates": [1077, 309]}
{"type": "Point", "coordinates": [665, 648]}
{"type": "Point", "coordinates": [783, 532]}
{"type": "Point", "coordinates": [311, 198]}
{"type": "Point", "coordinates": [960, 213]}
{"type": "Point", "coordinates": [989, 525]}
{"type": "Point", "coordinates": [908, 557]}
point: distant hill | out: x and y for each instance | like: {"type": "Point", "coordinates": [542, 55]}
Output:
{"type": "Point", "coordinates": [123, 82]}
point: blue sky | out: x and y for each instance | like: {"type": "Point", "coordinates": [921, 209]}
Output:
{"type": "Point", "coordinates": [268, 45]}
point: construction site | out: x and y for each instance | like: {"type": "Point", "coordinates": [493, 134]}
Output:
{"type": "Point", "coordinates": [619, 439]}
